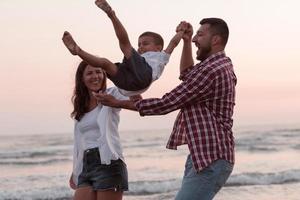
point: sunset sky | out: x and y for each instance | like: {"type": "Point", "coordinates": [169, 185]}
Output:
{"type": "Point", "coordinates": [37, 71]}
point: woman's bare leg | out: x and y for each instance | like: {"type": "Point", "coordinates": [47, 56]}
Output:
{"type": "Point", "coordinates": [109, 195]}
{"type": "Point", "coordinates": [85, 193]}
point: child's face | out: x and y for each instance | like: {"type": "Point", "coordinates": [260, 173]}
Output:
{"type": "Point", "coordinates": [146, 44]}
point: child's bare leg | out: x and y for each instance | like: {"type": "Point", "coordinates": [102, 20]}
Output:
{"type": "Point", "coordinates": [95, 61]}
{"type": "Point", "coordinates": [120, 31]}
{"type": "Point", "coordinates": [104, 6]}
{"type": "Point", "coordinates": [92, 60]}
{"type": "Point", "coordinates": [70, 43]}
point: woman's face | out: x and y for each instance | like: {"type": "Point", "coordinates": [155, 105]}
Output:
{"type": "Point", "coordinates": [93, 78]}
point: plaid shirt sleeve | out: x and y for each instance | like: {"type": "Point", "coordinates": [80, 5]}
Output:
{"type": "Point", "coordinates": [195, 87]}
{"type": "Point", "coordinates": [185, 73]}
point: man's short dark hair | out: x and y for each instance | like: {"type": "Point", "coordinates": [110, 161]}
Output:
{"type": "Point", "coordinates": [158, 40]}
{"type": "Point", "coordinates": [217, 27]}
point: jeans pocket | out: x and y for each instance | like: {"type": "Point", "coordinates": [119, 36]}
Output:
{"type": "Point", "coordinates": [92, 158]}
{"type": "Point", "coordinates": [225, 169]}
{"type": "Point", "coordinates": [189, 168]}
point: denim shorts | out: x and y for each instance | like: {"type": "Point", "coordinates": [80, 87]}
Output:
{"type": "Point", "coordinates": [205, 184]}
{"type": "Point", "coordinates": [133, 73]}
{"type": "Point", "coordinates": [100, 176]}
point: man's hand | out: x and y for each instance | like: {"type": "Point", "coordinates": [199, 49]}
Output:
{"type": "Point", "coordinates": [109, 100]}
{"type": "Point", "coordinates": [188, 30]}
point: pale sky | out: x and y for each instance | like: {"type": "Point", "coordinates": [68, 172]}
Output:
{"type": "Point", "coordinates": [37, 71]}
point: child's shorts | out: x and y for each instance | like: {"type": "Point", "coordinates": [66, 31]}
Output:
{"type": "Point", "coordinates": [133, 74]}
{"type": "Point", "coordinates": [102, 177]}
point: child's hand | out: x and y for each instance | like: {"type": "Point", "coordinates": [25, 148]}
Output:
{"type": "Point", "coordinates": [188, 33]}
{"type": "Point", "coordinates": [182, 26]}
{"type": "Point", "coordinates": [187, 30]}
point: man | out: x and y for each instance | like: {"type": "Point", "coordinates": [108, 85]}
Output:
{"type": "Point", "coordinates": [206, 98]}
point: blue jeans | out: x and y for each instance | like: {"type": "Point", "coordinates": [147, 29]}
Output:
{"type": "Point", "coordinates": [205, 184]}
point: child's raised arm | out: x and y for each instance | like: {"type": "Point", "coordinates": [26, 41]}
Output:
{"type": "Point", "coordinates": [174, 42]}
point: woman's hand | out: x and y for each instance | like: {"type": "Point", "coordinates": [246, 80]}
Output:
{"type": "Point", "coordinates": [71, 183]}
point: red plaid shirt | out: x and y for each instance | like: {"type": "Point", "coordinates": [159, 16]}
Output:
{"type": "Point", "coordinates": [206, 98]}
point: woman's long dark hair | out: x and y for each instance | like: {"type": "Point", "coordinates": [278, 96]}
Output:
{"type": "Point", "coordinates": [81, 96]}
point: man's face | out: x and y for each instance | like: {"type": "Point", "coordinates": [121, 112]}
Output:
{"type": "Point", "coordinates": [203, 41]}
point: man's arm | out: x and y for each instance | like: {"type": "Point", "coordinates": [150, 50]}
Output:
{"type": "Point", "coordinates": [120, 30]}
{"type": "Point", "coordinates": [196, 88]}
{"type": "Point", "coordinates": [186, 59]}
{"type": "Point", "coordinates": [109, 100]}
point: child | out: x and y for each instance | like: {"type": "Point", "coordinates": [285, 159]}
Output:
{"type": "Point", "coordinates": [139, 68]}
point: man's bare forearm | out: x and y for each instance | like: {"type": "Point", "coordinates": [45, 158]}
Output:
{"type": "Point", "coordinates": [126, 104]}
{"type": "Point", "coordinates": [186, 59]}
{"type": "Point", "coordinates": [108, 100]}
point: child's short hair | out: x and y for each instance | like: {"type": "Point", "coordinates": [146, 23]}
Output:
{"type": "Point", "coordinates": [158, 40]}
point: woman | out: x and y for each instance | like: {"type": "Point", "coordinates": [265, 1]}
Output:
{"type": "Point", "coordinates": [99, 171]}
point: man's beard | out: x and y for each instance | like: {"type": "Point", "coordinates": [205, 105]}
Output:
{"type": "Point", "coordinates": [204, 53]}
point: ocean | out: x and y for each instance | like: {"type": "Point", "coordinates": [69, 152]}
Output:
{"type": "Point", "coordinates": [37, 167]}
